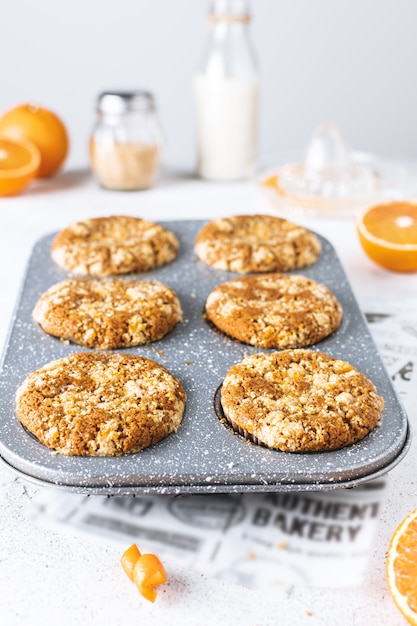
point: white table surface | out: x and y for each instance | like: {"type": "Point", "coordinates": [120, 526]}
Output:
{"type": "Point", "coordinates": [52, 577]}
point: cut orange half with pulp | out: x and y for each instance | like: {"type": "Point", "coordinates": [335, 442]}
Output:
{"type": "Point", "coordinates": [401, 567]}
{"type": "Point", "coordinates": [19, 163]}
{"type": "Point", "coordinates": [388, 235]}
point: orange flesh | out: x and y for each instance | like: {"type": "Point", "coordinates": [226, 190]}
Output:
{"type": "Point", "coordinates": [405, 565]}
{"type": "Point", "coordinates": [399, 225]}
{"type": "Point", "coordinates": [388, 235]}
{"type": "Point", "coordinates": [15, 158]}
{"type": "Point", "coordinates": [19, 164]}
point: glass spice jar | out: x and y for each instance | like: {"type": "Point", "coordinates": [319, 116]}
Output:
{"type": "Point", "coordinates": [126, 142]}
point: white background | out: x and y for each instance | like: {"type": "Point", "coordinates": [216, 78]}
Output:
{"type": "Point", "coordinates": [351, 61]}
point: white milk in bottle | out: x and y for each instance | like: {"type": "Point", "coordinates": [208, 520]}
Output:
{"type": "Point", "coordinates": [227, 96]}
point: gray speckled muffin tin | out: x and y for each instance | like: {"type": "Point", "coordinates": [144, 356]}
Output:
{"type": "Point", "coordinates": [203, 456]}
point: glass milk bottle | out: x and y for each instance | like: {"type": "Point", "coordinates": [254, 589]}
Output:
{"type": "Point", "coordinates": [227, 96]}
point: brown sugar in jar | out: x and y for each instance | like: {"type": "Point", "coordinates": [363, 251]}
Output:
{"type": "Point", "coordinates": [125, 144]}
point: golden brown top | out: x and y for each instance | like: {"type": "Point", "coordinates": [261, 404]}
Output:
{"type": "Point", "coordinates": [113, 245]}
{"type": "Point", "coordinates": [274, 310]}
{"type": "Point", "coordinates": [100, 404]}
{"type": "Point", "coordinates": [256, 243]}
{"type": "Point", "coordinates": [108, 313]}
{"type": "Point", "coordinates": [300, 401]}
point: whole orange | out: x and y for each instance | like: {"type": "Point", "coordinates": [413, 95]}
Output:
{"type": "Point", "coordinates": [43, 128]}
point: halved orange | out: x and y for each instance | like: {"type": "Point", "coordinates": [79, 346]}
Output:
{"type": "Point", "coordinates": [388, 235]}
{"type": "Point", "coordinates": [19, 164]}
{"type": "Point", "coordinates": [401, 567]}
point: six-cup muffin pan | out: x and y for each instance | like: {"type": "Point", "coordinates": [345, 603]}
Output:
{"type": "Point", "coordinates": [204, 456]}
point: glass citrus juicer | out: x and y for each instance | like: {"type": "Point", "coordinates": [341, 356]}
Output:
{"type": "Point", "coordinates": [331, 179]}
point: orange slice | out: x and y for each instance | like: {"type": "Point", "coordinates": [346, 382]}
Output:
{"type": "Point", "coordinates": [388, 235]}
{"type": "Point", "coordinates": [401, 567]}
{"type": "Point", "coordinates": [19, 164]}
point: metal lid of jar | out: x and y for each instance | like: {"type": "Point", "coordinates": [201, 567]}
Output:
{"type": "Point", "coordinates": [116, 102]}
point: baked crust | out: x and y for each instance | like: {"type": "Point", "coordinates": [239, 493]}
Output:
{"type": "Point", "coordinates": [108, 313]}
{"type": "Point", "coordinates": [100, 404]}
{"type": "Point", "coordinates": [113, 245]}
{"type": "Point", "coordinates": [300, 401]}
{"type": "Point", "coordinates": [256, 243]}
{"type": "Point", "coordinates": [274, 310]}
